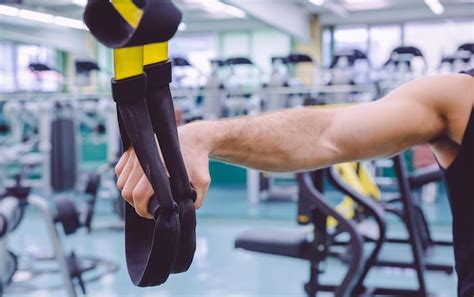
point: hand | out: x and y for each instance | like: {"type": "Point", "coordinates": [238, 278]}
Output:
{"type": "Point", "coordinates": [137, 190]}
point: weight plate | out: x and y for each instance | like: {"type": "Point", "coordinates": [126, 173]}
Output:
{"type": "Point", "coordinates": [93, 183]}
{"type": "Point", "coordinates": [67, 215]}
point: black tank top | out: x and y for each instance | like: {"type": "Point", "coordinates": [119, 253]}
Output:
{"type": "Point", "coordinates": [460, 183]}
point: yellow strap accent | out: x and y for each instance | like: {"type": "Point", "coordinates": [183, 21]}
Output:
{"type": "Point", "coordinates": [128, 62]}
{"type": "Point", "coordinates": [155, 53]}
{"type": "Point", "coordinates": [129, 11]}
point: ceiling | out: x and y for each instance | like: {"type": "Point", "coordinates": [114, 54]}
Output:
{"type": "Point", "coordinates": [287, 15]}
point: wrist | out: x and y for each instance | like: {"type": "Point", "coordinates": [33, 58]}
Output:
{"type": "Point", "coordinates": [205, 135]}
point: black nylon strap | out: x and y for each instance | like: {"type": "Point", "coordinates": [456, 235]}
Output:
{"type": "Point", "coordinates": [136, 130]}
{"type": "Point", "coordinates": [154, 248]}
{"type": "Point", "coordinates": [159, 23]}
{"type": "Point", "coordinates": [129, 89]}
{"type": "Point", "coordinates": [159, 74]}
{"type": "Point", "coordinates": [160, 104]}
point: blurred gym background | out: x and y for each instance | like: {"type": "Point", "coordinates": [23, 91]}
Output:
{"type": "Point", "coordinates": [59, 140]}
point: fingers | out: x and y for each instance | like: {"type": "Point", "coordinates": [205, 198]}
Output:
{"type": "Point", "coordinates": [133, 179]}
{"type": "Point", "coordinates": [127, 170]}
{"type": "Point", "coordinates": [141, 195]}
{"type": "Point", "coordinates": [121, 163]}
{"type": "Point", "coordinates": [201, 185]}
{"type": "Point", "coordinates": [137, 190]}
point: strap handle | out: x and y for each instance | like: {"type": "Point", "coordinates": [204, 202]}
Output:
{"type": "Point", "coordinates": [160, 104]}
{"type": "Point", "coordinates": [136, 131]}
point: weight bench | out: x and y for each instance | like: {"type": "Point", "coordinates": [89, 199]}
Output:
{"type": "Point", "coordinates": [275, 242]}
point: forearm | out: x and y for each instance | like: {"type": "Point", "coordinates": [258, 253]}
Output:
{"type": "Point", "coordinates": [310, 138]}
{"type": "Point", "coordinates": [289, 140]}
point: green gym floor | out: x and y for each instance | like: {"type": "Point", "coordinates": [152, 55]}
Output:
{"type": "Point", "coordinates": [218, 269]}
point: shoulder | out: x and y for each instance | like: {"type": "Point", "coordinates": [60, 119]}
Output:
{"type": "Point", "coordinates": [450, 97]}
{"type": "Point", "coordinates": [456, 103]}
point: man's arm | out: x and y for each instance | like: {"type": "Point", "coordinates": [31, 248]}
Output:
{"type": "Point", "coordinates": [310, 138]}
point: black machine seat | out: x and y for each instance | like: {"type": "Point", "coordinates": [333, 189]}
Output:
{"type": "Point", "coordinates": [275, 242]}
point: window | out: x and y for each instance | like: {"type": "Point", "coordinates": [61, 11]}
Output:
{"type": "Point", "coordinates": [438, 38]}
{"type": "Point", "coordinates": [326, 48]}
{"type": "Point", "coordinates": [383, 39]}
{"type": "Point", "coordinates": [351, 37]}
{"type": "Point", "coordinates": [42, 81]}
{"type": "Point", "coordinates": [198, 49]}
{"type": "Point", "coordinates": [7, 76]}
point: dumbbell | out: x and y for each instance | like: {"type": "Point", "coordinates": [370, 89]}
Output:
{"type": "Point", "coordinates": [67, 214]}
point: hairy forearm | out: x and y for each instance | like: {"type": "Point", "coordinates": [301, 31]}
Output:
{"type": "Point", "coordinates": [310, 138]}
{"type": "Point", "coordinates": [290, 140]}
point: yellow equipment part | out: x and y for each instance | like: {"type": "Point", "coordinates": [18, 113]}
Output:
{"type": "Point", "coordinates": [368, 183]}
{"type": "Point", "coordinates": [128, 62]}
{"type": "Point", "coordinates": [361, 181]}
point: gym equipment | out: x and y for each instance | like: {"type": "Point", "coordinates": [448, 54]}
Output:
{"type": "Point", "coordinates": [139, 34]}
{"type": "Point", "coordinates": [84, 66]}
{"type": "Point", "coordinates": [46, 77]}
{"type": "Point", "coordinates": [241, 79]}
{"type": "Point", "coordinates": [186, 81]}
{"type": "Point", "coordinates": [63, 152]}
{"type": "Point", "coordinates": [8, 267]}
{"type": "Point", "coordinates": [416, 180]}
{"type": "Point", "coordinates": [12, 205]}
{"type": "Point", "coordinates": [284, 76]}
{"type": "Point", "coordinates": [316, 250]}
{"type": "Point", "coordinates": [461, 60]}
{"type": "Point", "coordinates": [24, 198]}
{"type": "Point", "coordinates": [400, 67]}
{"type": "Point", "coordinates": [84, 69]}
{"type": "Point", "coordinates": [11, 266]}
{"type": "Point", "coordinates": [68, 215]}
{"type": "Point", "coordinates": [348, 67]}
{"type": "Point", "coordinates": [297, 245]}
{"type": "Point", "coordinates": [213, 92]}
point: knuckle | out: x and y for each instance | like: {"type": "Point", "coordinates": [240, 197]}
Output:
{"type": "Point", "coordinates": [141, 207]}
{"type": "Point", "coordinates": [203, 180]}
{"type": "Point", "coordinates": [198, 204]}
{"type": "Point", "coordinates": [127, 194]}
{"type": "Point", "coordinates": [138, 194]}
{"type": "Point", "coordinates": [120, 184]}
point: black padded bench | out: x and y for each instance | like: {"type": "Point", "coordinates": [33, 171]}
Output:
{"type": "Point", "coordinates": [276, 242]}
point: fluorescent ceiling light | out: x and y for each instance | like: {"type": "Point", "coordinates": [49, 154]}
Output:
{"type": "Point", "coordinates": [217, 7]}
{"type": "Point", "coordinates": [358, 5]}
{"type": "Point", "coordinates": [42, 17]}
{"type": "Point", "coordinates": [36, 16]}
{"type": "Point", "coordinates": [70, 23]}
{"type": "Point", "coordinates": [8, 10]}
{"type": "Point", "coordinates": [317, 2]}
{"type": "Point", "coordinates": [435, 6]}
{"type": "Point", "coordinates": [82, 3]}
